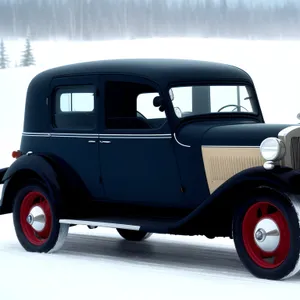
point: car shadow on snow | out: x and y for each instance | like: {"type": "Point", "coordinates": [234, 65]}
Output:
{"type": "Point", "coordinates": [200, 258]}
{"type": "Point", "coordinates": [204, 259]}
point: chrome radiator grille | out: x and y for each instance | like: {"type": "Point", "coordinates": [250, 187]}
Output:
{"type": "Point", "coordinates": [295, 152]}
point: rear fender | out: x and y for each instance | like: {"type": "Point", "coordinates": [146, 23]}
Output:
{"type": "Point", "coordinates": [24, 168]}
{"type": "Point", "coordinates": [56, 175]}
{"type": "Point", "coordinates": [2, 173]}
{"type": "Point", "coordinates": [215, 213]}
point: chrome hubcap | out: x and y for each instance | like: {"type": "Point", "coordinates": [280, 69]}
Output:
{"type": "Point", "coordinates": [37, 218]}
{"type": "Point", "coordinates": [260, 235]}
{"type": "Point", "coordinates": [267, 235]}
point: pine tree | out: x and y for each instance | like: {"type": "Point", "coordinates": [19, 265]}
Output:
{"type": "Point", "coordinates": [3, 57]}
{"type": "Point", "coordinates": [27, 58]}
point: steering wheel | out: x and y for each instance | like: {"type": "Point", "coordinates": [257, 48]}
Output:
{"type": "Point", "coordinates": [235, 105]}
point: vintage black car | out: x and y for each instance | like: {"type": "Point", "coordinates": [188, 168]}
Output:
{"type": "Point", "coordinates": [156, 146]}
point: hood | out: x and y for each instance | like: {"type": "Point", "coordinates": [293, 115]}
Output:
{"type": "Point", "coordinates": [250, 134]}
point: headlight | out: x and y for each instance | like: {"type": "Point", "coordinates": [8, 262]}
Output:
{"type": "Point", "coordinates": [272, 149]}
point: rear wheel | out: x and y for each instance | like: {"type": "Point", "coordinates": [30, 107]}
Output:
{"type": "Point", "coordinates": [132, 235]}
{"type": "Point", "coordinates": [267, 236]}
{"type": "Point", "coordinates": [35, 219]}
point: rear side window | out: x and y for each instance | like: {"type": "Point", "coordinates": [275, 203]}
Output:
{"type": "Point", "coordinates": [75, 108]}
{"type": "Point", "coordinates": [76, 101]}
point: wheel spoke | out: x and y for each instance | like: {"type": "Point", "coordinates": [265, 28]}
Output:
{"type": "Point", "coordinates": [263, 209]}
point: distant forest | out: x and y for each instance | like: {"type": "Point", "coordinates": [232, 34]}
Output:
{"type": "Point", "coordinates": [118, 19]}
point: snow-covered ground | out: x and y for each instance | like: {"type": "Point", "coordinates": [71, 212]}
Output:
{"type": "Point", "coordinates": [98, 263]}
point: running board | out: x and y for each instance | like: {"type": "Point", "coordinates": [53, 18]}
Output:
{"type": "Point", "coordinates": [99, 224]}
{"type": "Point", "coordinates": [154, 225]}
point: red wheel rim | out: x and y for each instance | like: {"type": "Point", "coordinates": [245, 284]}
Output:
{"type": "Point", "coordinates": [35, 201]}
{"type": "Point", "coordinates": [257, 215]}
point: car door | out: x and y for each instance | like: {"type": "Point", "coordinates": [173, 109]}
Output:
{"type": "Point", "coordinates": [75, 104]}
{"type": "Point", "coordinates": [137, 159]}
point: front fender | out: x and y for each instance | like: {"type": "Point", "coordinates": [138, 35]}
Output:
{"type": "Point", "coordinates": [237, 189]}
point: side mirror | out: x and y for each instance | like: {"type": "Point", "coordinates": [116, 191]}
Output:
{"type": "Point", "coordinates": [157, 101]}
{"type": "Point", "coordinates": [298, 116]}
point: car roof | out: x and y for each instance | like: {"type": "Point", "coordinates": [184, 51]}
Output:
{"type": "Point", "coordinates": [156, 69]}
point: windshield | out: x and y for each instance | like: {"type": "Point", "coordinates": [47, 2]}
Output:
{"type": "Point", "coordinates": [205, 99]}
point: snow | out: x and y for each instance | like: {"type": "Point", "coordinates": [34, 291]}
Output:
{"type": "Point", "coordinates": [98, 263]}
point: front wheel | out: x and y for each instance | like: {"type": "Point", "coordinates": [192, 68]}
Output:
{"type": "Point", "coordinates": [35, 220]}
{"type": "Point", "coordinates": [266, 234]}
{"type": "Point", "coordinates": [132, 235]}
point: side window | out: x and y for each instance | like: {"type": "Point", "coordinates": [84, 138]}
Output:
{"type": "Point", "coordinates": [129, 105]}
{"type": "Point", "coordinates": [147, 109]}
{"type": "Point", "coordinates": [74, 108]}
{"type": "Point", "coordinates": [76, 101]}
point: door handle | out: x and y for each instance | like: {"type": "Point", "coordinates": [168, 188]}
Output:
{"type": "Point", "coordinates": [105, 142]}
{"type": "Point", "coordinates": [91, 142]}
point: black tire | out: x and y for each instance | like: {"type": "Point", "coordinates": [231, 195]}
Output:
{"type": "Point", "coordinates": [49, 239]}
{"type": "Point", "coordinates": [132, 235]}
{"type": "Point", "coordinates": [282, 211]}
